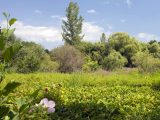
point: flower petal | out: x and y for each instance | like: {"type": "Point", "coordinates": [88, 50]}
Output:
{"type": "Point", "coordinates": [51, 110]}
{"type": "Point", "coordinates": [51, 104]}
{"type": "Point", "coordinates": [44, 101]}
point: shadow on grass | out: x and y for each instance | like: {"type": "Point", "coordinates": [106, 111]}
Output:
{"type": "Point", "coordinates": [156, 86]}
{"type": "Point", "coordinates": [85, 111]}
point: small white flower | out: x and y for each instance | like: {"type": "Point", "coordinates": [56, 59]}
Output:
{"type": "Point", "coordinates": [48, 104]}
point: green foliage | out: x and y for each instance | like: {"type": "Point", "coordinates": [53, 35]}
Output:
{"type": "Point", "coordinates": [113, 61]}
{"type": "Point", "coordinates": [69, 58]}
{"type": "Point", "coordinates": [28, 64]}
{"type": "Point", "coordinates": [47, 65]}
{"type": "Point", "coordinates": [3, 111]}
{"type": "Point", "coordinates": [154, 49]}
{"type": "Point", "coordinates": [90, 65]}
{"type": "Point", "coordinates": [10, 52]}
{"type": "Point", "coordinates": [12, 21]}
{"type": "Point", "coordinates": [124, 44]}
{"type": "Point", "coordinates": [6, 55]}
{"type": "Point", "coordinates": [7, 52]}
{"type": "Point", "coordinates": [28, 58]}
{"type": "Point", "coordinates": [146, 62]}
{"type": "Point", "coordinates": [114, 95]}
{"type": "Point", "coordinates": [72, 27]}
{"type": "Point", "coordinates": [96, 51]}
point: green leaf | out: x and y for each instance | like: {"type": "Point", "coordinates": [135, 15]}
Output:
{"type": "Point", "coordinates": [7, 33]}
{"type": "Point", "coordinates": [8, 54]}
{"type": "Point", "coordinates": [23, 107]}
{"type": "Point", "coordinates": [10, 87]}
{"type": "Point", "coordinates": [20, 102]}
{"type": "Point", "coordinates": [6, 15]}
{"type": "Point", "coordinates": [4, 31]}
{"type": "Point", "coordinates": [2, 42]}
{"type": "Point", "coordinates": [6, 118]}
{"type": "Point", "coordinates": [16, 117]}
{"type": "Point", "coordinates": [15, 48]}
{"type": "Point", "coordinates": [12, 21]}
{"type": "Point", "coordinates": [34, 94]}
{"type": "Point", "coordinates": [11, 51]}
{"type": "Point", "coordinates": [3, 111]}
{"type": "Point", "coordinates": [10, 32]}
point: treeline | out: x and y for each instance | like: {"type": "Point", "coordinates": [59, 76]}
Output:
{"type": "Point", "coordinates": [114, 52]}
{"type": "Point", "coordinates": [118, 51]}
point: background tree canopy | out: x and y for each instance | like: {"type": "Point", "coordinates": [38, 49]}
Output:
{"type": "Point", "coordinates": [111, 52]}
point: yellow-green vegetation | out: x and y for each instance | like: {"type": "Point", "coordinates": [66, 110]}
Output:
{"type": "Point", "coordinates": [94, 96]}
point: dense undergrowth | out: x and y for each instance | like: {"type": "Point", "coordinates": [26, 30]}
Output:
{"type": "Point", "coordinates": [94, 96]}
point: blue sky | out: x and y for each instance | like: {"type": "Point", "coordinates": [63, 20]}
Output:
{"type": "Point", "coordinates": [40, 20]}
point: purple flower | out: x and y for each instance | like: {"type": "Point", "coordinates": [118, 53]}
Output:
{"type": "Point", "coordinates": [49, 104]}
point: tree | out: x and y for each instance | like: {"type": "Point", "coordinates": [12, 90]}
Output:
{"type": "Point", "coordinates": [47, 65]}
{"type": "Point", "coordinates": [126, 45]}
{"type": "Point", "coordinates": [72, 27]}
{"type": "Point", "coordinates": [146, 62]}
{"type": "Point", "coordinates": [29, 58]}
{"type": "Point", "coordinates": [154, 49]}
{"type": "Point", "coordinates": [113, 61]}
{"type": "Point", "coordinates": [103, 38]}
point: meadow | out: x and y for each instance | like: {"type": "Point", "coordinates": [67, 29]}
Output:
{"type": "Point", "coordinates": [120, 95]}
{"type": "Point", "coordinates": [115, 76]}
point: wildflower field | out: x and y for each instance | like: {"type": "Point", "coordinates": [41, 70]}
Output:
{"type": "Point", "coordinates": [91, 96]}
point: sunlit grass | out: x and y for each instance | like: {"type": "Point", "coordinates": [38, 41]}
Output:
{"type": "Point", "coordinates": [134, 95]}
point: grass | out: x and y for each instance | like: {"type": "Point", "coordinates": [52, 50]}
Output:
{"type": "Point", "coordinates": [114, 95]}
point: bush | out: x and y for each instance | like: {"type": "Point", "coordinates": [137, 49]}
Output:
{"type": "Point", "coordinates": [146, 62]}
{"type": "Point", "coordinates": [124, 44]}
{"type": "Point", "coordinates": [47, 65]}
{"type": "Point", "coordinates": [90, 65]}
{"type": "Point", "coordinates": [113, 61]}
{"type": "Point", "coordinates": [28, 58]}
{"type": "Point", "coordinates": [154, 49]}
{"type": "Point", "coordinates": [68, 57]}
{"type": "Point", "coordinates": [28, 64]}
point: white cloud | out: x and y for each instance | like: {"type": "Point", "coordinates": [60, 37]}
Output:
{"type": "Point", "coordinates": [129, 3]}
{"type": "Point", "coordinates": [92, 31]}
{"type": "Point", "coordinates": [123, 20]}
{"type": "Point", "coordinates": [58, 17]}
{"type": "Point", "coordinates": [38, 11]}
{"type": "Point", "coordinates": [51, 36]}
{"type": "Point", "coordinates": [91, 11]}
{"type": "Point", "coordinates": [37, 33]}
{"type": "Point", "coordinates": [147, 37]}
{"type": "Point", "coordinates": [64, 18]}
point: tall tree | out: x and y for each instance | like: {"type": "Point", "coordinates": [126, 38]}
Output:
{"type": "Point", "coordinates": [72, 27]}
{"type": "Point", "coordinates": [128, 46]}
{"type": "Point", "coordinates": [103, 37]}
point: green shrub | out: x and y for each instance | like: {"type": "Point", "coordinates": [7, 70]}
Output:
{"type": "Point", "coordinates": [29, 64]}
{"type": "Point", "coordinates": [68, 57]}
{"type": "Point", "coordinates": [90, 65]}
{"type": "Point", "coordinates": [113, 61]}
{"type": "Point", "coordinates": [154, 49]}
{"type": "Point", "coordinates": [126, 45]}
{"type": "Point", "coordinates": [29, 58]}
{"type": "Point", "coordinates": [146, 62]}
{"type": "Point", "coordinates": [47, 65]}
